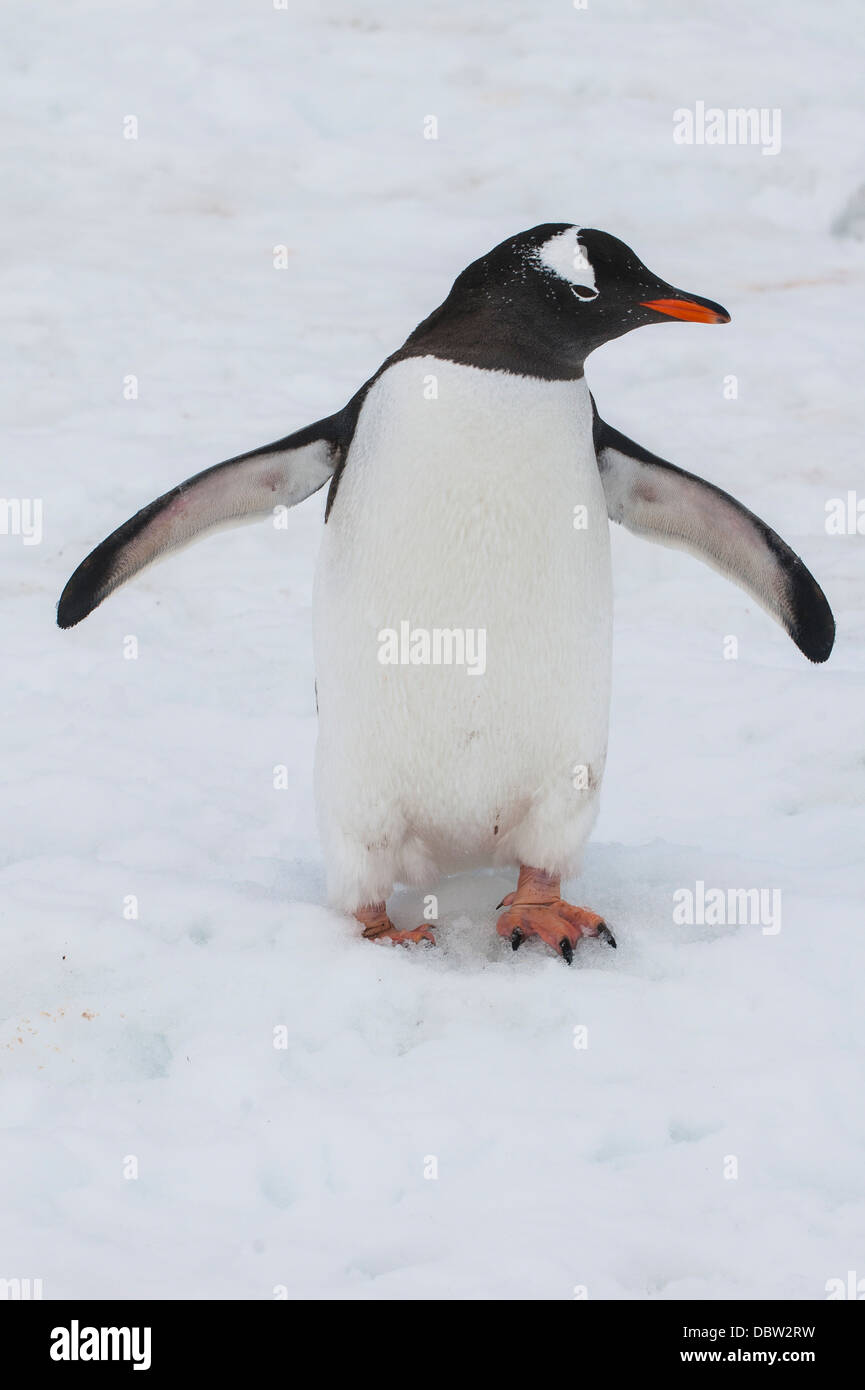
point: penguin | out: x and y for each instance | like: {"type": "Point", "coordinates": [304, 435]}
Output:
{"type": "Point", "coordinates": [462, 610]}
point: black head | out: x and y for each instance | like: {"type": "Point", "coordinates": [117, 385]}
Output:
{"type": "Point", "coordinates": [541, 301]}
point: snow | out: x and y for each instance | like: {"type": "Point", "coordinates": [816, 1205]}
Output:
{"type": "Point", "coordinates": [301, 1168]}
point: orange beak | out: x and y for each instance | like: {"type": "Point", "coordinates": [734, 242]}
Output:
{"type": "Point", "coordinates": [688, 310]}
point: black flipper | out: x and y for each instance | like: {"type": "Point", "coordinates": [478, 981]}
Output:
{"type": "Point", "coordinates": [241, 489]}
{"type": "Point", "coordinates": [655, 499]}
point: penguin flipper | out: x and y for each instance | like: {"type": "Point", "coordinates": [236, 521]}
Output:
{"type": "Point", "coordinates": [241, 489]}
{"type": "Point", "coordinates": [653, 498]}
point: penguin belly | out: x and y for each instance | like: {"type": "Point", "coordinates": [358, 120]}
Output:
{"type": "Point", "coordinates": [470, 505]}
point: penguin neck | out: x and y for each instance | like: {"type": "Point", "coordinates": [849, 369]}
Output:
{"type": "Point", "coordinates": [496, 335]}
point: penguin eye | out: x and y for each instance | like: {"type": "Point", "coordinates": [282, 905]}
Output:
{"type": "Point", "coordinates": [585, 292]}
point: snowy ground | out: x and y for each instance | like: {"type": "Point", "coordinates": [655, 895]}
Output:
{"type": "Point", "coordinates": [153, 1039]}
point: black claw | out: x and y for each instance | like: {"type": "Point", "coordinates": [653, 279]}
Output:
{"type": "Point", "coordinates": [516, 939]}
{"type": "Point", "coordinates": [606, 935]}
{"type": "Point", "coordinates": [501, 904]}
{"type": "Point", "coordinates": [566, 949]}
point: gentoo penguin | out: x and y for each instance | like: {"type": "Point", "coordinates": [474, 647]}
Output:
{"type": "Point", "coordinates": [463, 604]}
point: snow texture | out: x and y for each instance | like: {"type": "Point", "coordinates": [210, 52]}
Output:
{"type": "Point", "coordinates": [302, 1168]}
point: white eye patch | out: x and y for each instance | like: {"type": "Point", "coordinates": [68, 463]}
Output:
{"type": "Point", "coordinates": [565, 257]}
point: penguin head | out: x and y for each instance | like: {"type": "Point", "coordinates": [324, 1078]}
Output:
{"type": "Point", "coordinates": [610, 289]}
{"type": "Point", "coordinates": [558, 291]}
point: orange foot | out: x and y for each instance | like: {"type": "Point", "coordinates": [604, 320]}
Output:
{"type": "Point", "coordinates": [377, 926]}
{"type": "Point", "coordinates": [536, 909]}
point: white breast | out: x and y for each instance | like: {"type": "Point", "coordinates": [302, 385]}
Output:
{"type": "Point", "coordinates": [456, 511]}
